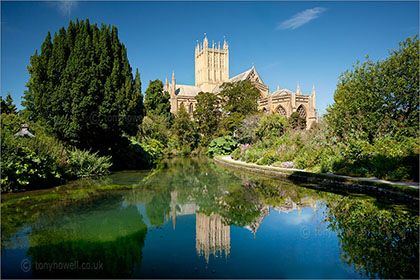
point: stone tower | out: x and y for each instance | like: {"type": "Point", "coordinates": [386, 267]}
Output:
{"type": "Point", "coordinates": [211, 65]}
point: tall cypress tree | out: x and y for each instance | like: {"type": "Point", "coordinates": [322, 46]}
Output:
{"type": "Point", "coordinates": [81, 86]}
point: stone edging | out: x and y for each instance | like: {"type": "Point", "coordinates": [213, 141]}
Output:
{"type": "Point", "coordinates": [337, 182]}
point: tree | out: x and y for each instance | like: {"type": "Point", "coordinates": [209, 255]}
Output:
{"type": "Point", "coordinates": [82, 88]}
{"type": "Point", "coordinates": [156, 101]}
{"type": "Point", "coordinates": [272, 125]}
{"type": "Point", "coordinates": [239, 97]}
{"type": "Point", "coordinates": [379, 97]}
{"type": "Point", "coordinates": [296, 121]}
{"type": "Point", "coordinates": [238, 100]}
{"type": "Point", "coordinates": [7, 106]}
{"type": "Point", "coordinates": [207, 115]}
{"type": "Point", "coordinates": [184, 131]}
{"type": "Point", "coordinates": [247, 130]}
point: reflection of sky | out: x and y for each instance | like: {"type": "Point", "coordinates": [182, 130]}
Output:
{"type": "Point", "coordinates": [293, 217]}
{"type": "Point", "coordinates": [279, 249]}
{"type": "Point", "coordinates": [141, 207]}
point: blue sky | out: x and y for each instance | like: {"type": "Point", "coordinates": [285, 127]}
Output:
{"type": "Point", "coordinates": [289, 42]}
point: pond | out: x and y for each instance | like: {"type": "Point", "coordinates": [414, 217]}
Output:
{"type": "Point", "coordinates": [190, 218]}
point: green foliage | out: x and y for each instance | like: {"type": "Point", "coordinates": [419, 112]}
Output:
{"type": "Point", "coordinates": [29, 162]}
{"type": "Point", "coordinates": [154, 148]}
{"type": "Point", "coordinates": [7, 106]}
{"type": "Point", "coordinates": [240, 97]}
{"type": "Point", "coordinates": [153, 127]}
{"type": "Point", "coordinates": [379, 98]}
{"type": "Point", "coordinates": [236, 154]}
{"type": "Point", "coordinates": [229, 123]}
{"type": "Point", "coordinates": [207, 115]}
{"type": "Point", "coordinates": [222, 146]}
{"type": "Point", "coordinates": [40, 161]}
{"type": "Point", "coordinates": [86, 163]}
{"type": "Point", "coordinates": [272, 125]}
{"type": "Point", "coordinates": [252, 154]}
{"type": "Point", "coordinates": [247, 130]}
{"type": "Point", "coordinates": [296, 121]}
{"type": "Point", "coordinates": [184, 131]}
{"type": "Point", "coordinates": [365, 232]}
{"type": "Point", "coordinates": [156, 101]}
{"type": "Point", "coordinates": [81, 86]}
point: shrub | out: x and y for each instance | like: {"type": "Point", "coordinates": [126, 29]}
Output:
{"type": "Point", "coordinates": [271, 126]}
{"type": "Point", "coordinates": [153, 127]}
{"type": "Point", "coordinates": [246, 132]}
{"type": "Point", "coordinates": [252, 155]}
{"type": "Point", "coordinates": [222, 146]}
{"type": "Point", "coordinates": [85, 163]}
{"type": "Point", "coordinates": [296, 121]}
{"type": "Point", "coordinates": [236, 153]}
{"type": "Point", "coordinates": [29, 162]}
{"type": "Point", "coordinates": [267, 159]}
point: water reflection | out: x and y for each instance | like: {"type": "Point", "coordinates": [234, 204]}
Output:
{"type": "Point", "coordinates": [224, 212]}
{"type": "Point", "coordinates": [212, 236]}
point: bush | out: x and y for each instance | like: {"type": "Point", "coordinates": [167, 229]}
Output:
{"type": "Point", "coordinates": [222, 146]}
{"type": "Point", "coordinates": [85, 163]}
{"type": "Point", "coordinates": [296, 121]}
{"type": "Point", "coordinates": [154, 149]}
{"type": "Point", "coordinates": [246, 132]}
{"type": "Point", "coordinates": [40, 161]}
{"type": "Point", "coordinates": [267, 159]}
{"type": "Point", "coordinates": [236, 155]}
{"type": "Point", "coordinates": [252, 155]}
{"type": "Point", "coordinates": [271, 126]}
{"type": "Point", "coordinates": [153, 127]}
{"type": "Point", "coordinates": [29, 162]}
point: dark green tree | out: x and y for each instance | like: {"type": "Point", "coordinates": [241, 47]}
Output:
{"type": "Point", "coordinates": [296, 121]}
{"type": "Point", "coordinates": [238, 100]}
{"type": "Point", "coordinates": [207, 115]}
{"type": "Point", "coordinates": [381, 97]}
{"type": "Point", "coordinates": [7, 106]}
{"type": "Point", "coordinates": [81, 86]}
{"type": "Point", "coordinates": [184, 130]}
{"type": "Point", "coordinates": [239, 97]}
{"type": "Point", "coordinates": [156, 101]}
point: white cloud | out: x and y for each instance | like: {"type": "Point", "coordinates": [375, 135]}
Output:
{"type": "Point", "coordinates": [301, 18]}
{"type": "Point", "coordinates": [65, 7]}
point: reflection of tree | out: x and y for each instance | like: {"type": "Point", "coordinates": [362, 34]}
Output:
{"type": "Point", "coordinates": [241, 206]}
{"type": "Point", "coordinates": [379, 242]}
{"type": "Point", "coordinates": [110, 235]}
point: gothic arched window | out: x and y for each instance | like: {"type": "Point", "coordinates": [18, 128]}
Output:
{"type": "Point", "coordinates": [301, 111]}
{"type": "Point", "coordinates": [190, 108]}
{"type": "Point", "coordinates": [281, 111]}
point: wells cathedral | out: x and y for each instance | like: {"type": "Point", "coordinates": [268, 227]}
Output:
{"type": "Point", "coordinates": [212, 70]}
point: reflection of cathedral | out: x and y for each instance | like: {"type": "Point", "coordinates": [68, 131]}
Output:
{"type": "Point", "coordinates": [290, 205]}
{"type": "Point", "coordinates": [211, 236]}
{"type": "Point", "coordinates": [256, 224]}
{"type": "Point", "coordinates": [178, 209]}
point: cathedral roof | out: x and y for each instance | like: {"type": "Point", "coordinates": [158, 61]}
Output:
{"type": "Point", "coordinates": [240, 77]}
{"type": "Point", "coordinates": [280, 92]}
{"type": "Point", "coordinates": [186, 90]}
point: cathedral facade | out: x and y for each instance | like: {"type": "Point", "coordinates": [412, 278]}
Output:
{"type": "Point", "coordinates": [212, 70]}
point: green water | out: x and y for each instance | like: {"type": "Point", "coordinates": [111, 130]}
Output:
{"type": "Point", "coordinates": [189, 218]}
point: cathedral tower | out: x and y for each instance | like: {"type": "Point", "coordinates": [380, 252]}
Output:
{"type": "Point", "coordinates": [211, 65]}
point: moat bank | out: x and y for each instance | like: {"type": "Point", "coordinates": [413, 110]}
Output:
{"type": "Point", "coordinates": [405, 191]}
